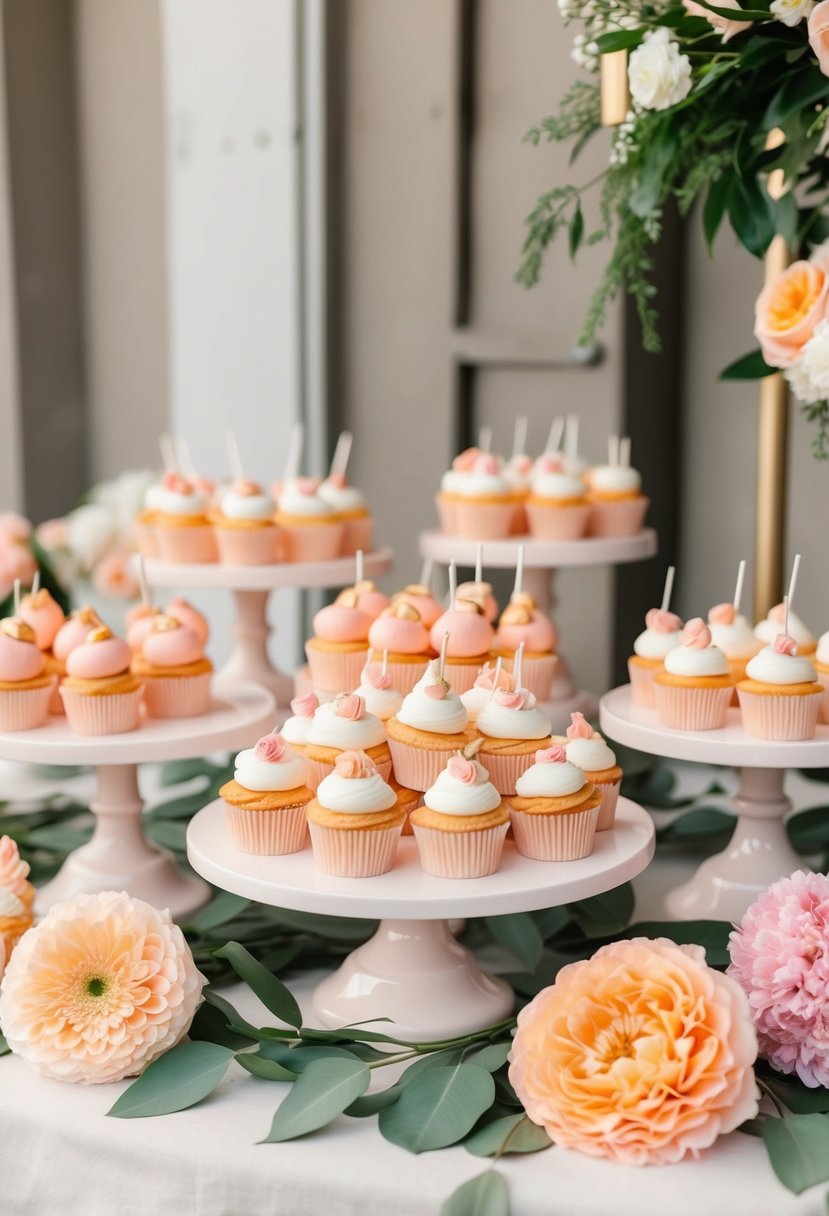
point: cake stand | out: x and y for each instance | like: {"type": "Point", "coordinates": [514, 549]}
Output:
{"type": "Point", "coordinates": [759, 851]}
{"type": "Point", "coordinates": [413, 971]}
{"type": "Point", "coordinates": [119, 857]}
{"type": "Point", "coordinates": [251, 587]}
{"type": "Point", "coordinates": [541, 560]}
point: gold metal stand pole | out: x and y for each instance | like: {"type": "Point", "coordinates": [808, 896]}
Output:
{"type": "Point", "coordinates": [615, 93]}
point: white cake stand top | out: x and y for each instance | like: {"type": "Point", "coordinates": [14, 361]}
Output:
{"type": "Point", "coordinates": [235, 719]}
{"type": "Point", "coordinates": [635, 726]}
{"type": "Point", "coordinates": [336, 573]}
{"type": "Point", "coordinates": [539, 554]}
{"type": "Point", "coordinates": [406, 892]}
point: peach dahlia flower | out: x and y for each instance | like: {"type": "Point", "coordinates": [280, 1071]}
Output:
{"type": "Point", "coordinates": [642, 1054]}
{"type": "Point", "coordinates": [100, 988]}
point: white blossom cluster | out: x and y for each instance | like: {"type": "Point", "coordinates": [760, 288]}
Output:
{"type": "Point", "coordinates": [624, 141]}
{"type": "Point", "coordinates": [598, 19]}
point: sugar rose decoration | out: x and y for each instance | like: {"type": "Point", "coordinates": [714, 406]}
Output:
{"type": "Point", "coordinates": [305, 706]}
{"type": "Point", "coordinates": [349, 706]}
{"type": "Point", "coordinates": [462, 770]}
{"type": "Point", "coordinates": [354, 764]}
{"type": "Point", "coordinates": [659, 621]}
{"type": "Point", "coordinates": [99, 989]}
{"type": "Point", "coordinates": [270, 748]}
{"type": "Point", "coordinates": [642, 1054]}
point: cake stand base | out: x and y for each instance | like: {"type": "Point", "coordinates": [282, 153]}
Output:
{"type": "Point", "coordinates": [414, 974]}
{"type": "Point", "coordinates": [757, 855]}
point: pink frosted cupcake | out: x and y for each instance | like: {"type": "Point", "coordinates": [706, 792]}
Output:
{"type": "Point", "coordinates": [513, 729]}
{"type": "Point", "coordinates": [419, 597]}
{"type": "Point", "coordinates": [370, 599]}
{"type": "Point", "coordinates": [355, 820]}
{"type": "Point", "coordinates": [821, 662]}
{"type": "Point", "coordinates": [460, 828]}
{"type": "Point", "coordinates": [555, 812]}
{"type": "Point", "coordinates": [266, 800]}
{"type": "Point", "coordinates": [75, 630]}
{"type": "Point", "coordinates": [174, 671]}
{"type": "Point", "coordinates": [46, 617]}
{"type": "Point", "coordinates": [618, 506]}
{"type": "Point", "coordinates": [381, 697]}
{"type": "Point", "coordinates": [246, 531]}
{"type": "Point", "coordinates": [338, 651]}
{"type": "Point", "coordinates": [402, 635]}
{"type": "Point", "coordinates": [100, 694]}
{"type": "Point", "coordinates": [183, 530]}
{"type": "Point", "coordinates": [480, 593]}
{"type": "Point", "coordinates": [781, 696]}
{"type": "Point", "coordinates": [344, 725]}
{"type": "Point", "coordinates": [557, 506]}
{"type": "Point", "coordinates": [25, 685]}
{"type": "Point", "coordinates": [694, 689]}
{"type": "Point", "coordinates": [662, 633]}
{"type": "Point", "coordinates": [430, 726]}
{"type": "Point", "coordinates": [312, 531]}
{"type": "Point", "coordinates": [523, 623]}
{"type": "Point", "coordinates": [480, 694]}
{"type": "Point", "coordinates": [139, 621]}
{"type": "Point", "coordinates": [586, 748]}
{"type": "Point", "coordinates": [470, 642]}
{"type": "Point", "coordinates": [184, 611]}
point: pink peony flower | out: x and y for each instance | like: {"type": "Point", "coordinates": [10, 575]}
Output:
{"type": "Point", "coordinates": [696, 634]}
{"type": "Point", "coordinates": [53, 534]}
{"type": "Point", "coordinates": [350, 706]}
{"type": "Point", "coordinates": [462, 770]}
{"type": "Point", "coordinates": [100, 988]}
{"type": "Point", "coordinates": [14, 528]}
{"type": "Point", "coordinates": [819, 34]}
{"type": "Point", "coordinates": [270, 747]}
{"type": "Point", "coordinates": [113, 576]}
{"type": "Point", "coordinates": [722, 614]}
{"type": "Point", "coordinates": [354, 764]}
{"type": "Point", "coordinates": [780, 957]}
{"type": "Point", "coordinates": [579, 727]}
{"type": "Point", "coordinates": [641, 1053]}
{"type": "Point", "coordinates": [305, 706]}
{"type": "Point", "coordinates": [662, 622]}
{"type": "Point", "coordinates": [551, 755]}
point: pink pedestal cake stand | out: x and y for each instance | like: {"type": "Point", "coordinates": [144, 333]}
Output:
{"type": "Point", "coordinates": [541, 560]}
{"type": "Point", "coordinates": [759, 851]}
{"type": "Point", "coordinates": [119, 857]}
{"type": "Point", "coordinates": [251, 587]}
{"type": "Point", "coordinates": [412, 970]}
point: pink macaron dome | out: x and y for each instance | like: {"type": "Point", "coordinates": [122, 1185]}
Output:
{"type": "Point", "coordinates": [420, 597]}
{"type": "Point", "coordinates": [20, 658]}
{"type": "Point", "coordinates": [342, 622]}
{"type": "Point", "coordinates": [44, 614]}
{"type": "Point", "coordinates": [74, 631]}
{"type": "Point", "coordinates": [171, 644]}
{"type": "Point", "coordinates": [99, 657]}
{"type": "Point", "coordinates": [521, 621]}
{"type": "Point", "coordinates": [470, 633]}
{"type": "Point", "coordinates": [184, 611]}
{"type": "Point", "coordinates": [400, 630]}
{"type": "Point", "coordinates": [370, 599]}
{"type": "Point", "coordinates": [481, 594]}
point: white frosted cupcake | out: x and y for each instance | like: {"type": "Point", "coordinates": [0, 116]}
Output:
{"type": "Point", "coordinates": [557, 507]}
{"type": "Point", "coordinates": [662, 632]}
{"type": "Point", "coordinates": [183, 530]}
{"type": "Point", "coordinates": [555, 809]}
{"type": "Point", "coordinates": [431, 724]}
{"type": "Point", "coordinates": [246, 532]}
{"type": "Point", "coordinates": [350, 504]}
{"type": "Point", "coordinates": [479, 694]}
{"type": "Point", "coordinates": [618, 506]}
{"type": "Point", "coordinates": [731, 631]}
{"type": "Point", "coordinates": [693, 691]}
{"type": "Point", "coordinates": [344, 725]}
{"type": "Point", "coordinates": [295, 729]}
{"type": "Point", "coordinates": [772, 625]}
{"type": "Point", "coordinates": [376, 689]}
{"type": "Point", "coordinates": [355, 819]}
{"type": "Point", "coordinates": [266, 800]}
{"type": "Point", "coordinates": [311, 530]}
{"type": "Point", "coordinates": [513, 729]}
{"type": "Point", "coordinates": [780, 697]}
{"type": "Point", "coordinates": [588, 750]}
{"type": "Point", "coordinates": [822, 672]}
{"type": "Point", "coordinates": [460, 828]}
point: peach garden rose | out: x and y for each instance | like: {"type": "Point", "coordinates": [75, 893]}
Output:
{"type": "Point", "coordinates": [642, 1054]}
{"type": "Point", "coordinates": [788, 311]}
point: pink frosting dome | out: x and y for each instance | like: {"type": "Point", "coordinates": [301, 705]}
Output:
{"type": "Point", "coordinates": [95, 660]}
{"type": "Point", "coordinates": [538, 634]}
{"type": "Point", "coordinates": [44, 615]}
{"type": "Point", "coordinates": [73, 632]}
{"type": "Point", "coordinates": [422, 600]}
{"type": "Point", "coordinates": [184, 611]}
{"type": "Point", "coordinates": [339, 623]}
{"type": "Point", "coordinates": [172, 647]}
{"type": "Point", "coordinates": [140, 628]}
{"type": "Point", "coordinates": [481, 593]}
{"type": "Point", "coordinates": [370, 600]}
{"type": "Point", "coordinates": [470, 633]}
{"type": "Point", "coordinates": [399, 635]}
{"type": "Point", "coordinates": [19, 659]}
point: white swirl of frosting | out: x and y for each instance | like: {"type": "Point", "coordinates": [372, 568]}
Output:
{"type": "Point", "coordinates": [654, 645]}
{"type": "Point", "coordinates": [767, 630]}
{"type": "Point", "coordinates": [615, 479]}
{"type": "Point", "coordinates": [452, 480]}
{"type": "Point", "coordinates": [254, 773]}
{"type": "Point", "coordinates": [696, 661]}
{"type": "Point", "coordinates": [474, 700]}
{"type": "Point", "coordinates": [770, 667]}
{"type": "Point", "coordinates": [328, 729]}
{"type": "Point", "coordinates": [293, 502]}
{"type": "Point", "coordinates": [736, 641]}
{"type": "Point", "coordinates": [501, 722]}
{"type": "Point", "coordinates": [558, 485]}
{"type": "Point", "coordinates": [295, 729]}
{"type": "Point", "coordinates": [822, 655]}
{"type": "Point", "coordinates": [170, 502]}
{"type": "Point", "coordinates": [154, 496]}
{"type": "Point", "coordinates": [355, 795]}
{"type": "Point", "coordinates": [449, 796]}
{"type": "Point", "coordinates": [421, 712]}
{"type": "Point", "coordinates": [483, 485]}
{"type": "Point", "coordinates": [382, 702]}
{"type": "Point", "coordinates": [247, 506]}
{"type": "Point", "coordinates": [342, 498]}
{"type": "Point", "coordinates": [591, 755]}
{"type": "Point", "coordinates": [517, 471]}
{"type": "Point", "coordinates": [550, 781]}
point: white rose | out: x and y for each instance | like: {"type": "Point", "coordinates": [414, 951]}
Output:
{"type": "Point", "coordinates": [90, 530]}
{"type": "Point", "coordinates": [791, 12]}
{"type": "Point", "coordinates": [809, 378]}
{"type": "Point", "coordinates": [659, 76]}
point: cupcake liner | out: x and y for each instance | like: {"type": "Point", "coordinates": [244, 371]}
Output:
{"type": "Point", "coordinates": [446, 514]}
{"type": "Point", "coordinates": [519, 525]}
{"type": "Point", "coordinates": [146, 540]}
{"type": "Point", "coordinates": [460, 854]}
{"type": "Point", "coordinates": [823, 710]}
{"type": "Point", "coordinates": [504, 770]}
{"type": "Point", "coordinates": [268, 833]}
{"type": "Point", "coordinates": [609, 791]}
{"type": "Point", "coordinates": [484, 520]}
{"type": "Point", "coordinates": [358, 533]}
{"type": "Point", "coordinates": [418, 767]}
{"type": "Point", "coordinates": [189, 545]}
{"type": "Point", "coordinates": [316, 770]}
{"type": "Point", "coordinates": [24, 708]}
{"type": "Point", "coordinates": [349, 853]}
{"type": "Point", "coordinates": [538, 670]}
{"type": "Point", "coordinates": [405, 675]}
{"type": "Point", "coordinates": [550, 521]}
{"type": "Point", "coordinates": [257, 546]}
{"type": "Point", "coordinates": [642, 685]}
{"type": "Point", "coordinates": [563, 837]}
{"type": "Point", "coordinates": [107, 714]}
{"type": "Point", "coordinates": [461, 676]}
{"type": "Point", "coordinates": [624, 517]}
{"type": "Point", "coordinates": [336, 671]}
{"type": "Point", "coordinates": [318, 542]}
{"type": "Point", "coordinates": [692, 708]}
{"type": "Point", "coordinates": [55, 702]}
{"type": "Point", "coordinates": [780, 716]}
{"type": "Point", "coordinates": [177, 696]}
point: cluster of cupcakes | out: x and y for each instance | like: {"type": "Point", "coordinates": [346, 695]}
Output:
{"type": "Point", "coordinates": [556, 496]}
{"type": "Point", "coordinates": [777, 673]}
{"type": "Point", "coordinates": [189, 519]}
{"type": "Point", "coordinates": [75, 665]}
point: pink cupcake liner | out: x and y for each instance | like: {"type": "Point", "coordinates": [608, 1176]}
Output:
{"type": "Point", "coordinates": [55, 702]}
{"type": "Point", "coordinates": [109, 714]}
{"type": "Point", "coordinates": [24, 708]}
{"type": "Point", "coordinates": [257, 546]}
{"type": "Point", "coordinates": [320, 542]}
{"type": "Point", "coordinates": [484, 520]}
{"type": "Point", "coordinates": [642, 685]}
{"type": "Point", "coordinates": [358, 534]}
{"type": "Point", "coordinates": [415, 767]}
{"type": "Point", "coordinates": [446, 514]}
{"type": "Point", "coordinates": [460, 854]}
{"type": "Point", "coordinates": [461, 676]}
{"type": "Point", "coordinates": [692, 708]}
{"type": "Point", "coordinates": [146, 540]}
{"type": "Point", "coordinates": [504, 770]}
{"type": "Point", "coordinates": [177, 696]}
{"type": "Point", "coordinates": [780, 716]}
{"type": "Point", "coordinates": [520, 524]}
{"type": "Point", "coordinates": [188, 545]}
{"type": "Point", "coordinates": [268, 833]}
{"type": "Point", "coordinates": [317, 770]}
{"type": "Point", "coordinates": [336, 671]}
{"type": "Point", "coordinates": [538, 673]}
{"type": "Point", "coordinates": [549, 521]}
{"type": "Point", "coordinates": [354, 854]}
{"type": "Point", "coordinates": [823, 712]}
{"type": "Point", "coordinates": [622, 518]}
{"type": "Point", "coordinates": [609, 791]}
{"type": "Point", "coordinates": [563, 837]}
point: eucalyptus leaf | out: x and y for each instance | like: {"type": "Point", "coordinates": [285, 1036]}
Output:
{"type": "Point", "coordinates": [223, 907]}
{"type": "Point", "coordinates": [511, 1134]}
{"type": "Point", "coordinates": [210, 1025]}
{"type": "Point", "coordinates": [268, 1070]}
{"type": "Point", "coordinates": [4, 1047]}
{"type": "Point", "coordinates": [321, 1093]}
{"type": "Point", "coordinates": [169, 833]}
{"type": "Point", "coordinates": [604, 914]}
{"type": "Point", "coordinates": [439, 1107]}
{"type": "Point", "coordinates": [551, 921]}
{"type": "Point", "coordinates": [372, 1104]}
{"type": "Point", "coordinates": [798, 1149]}
{"type": "Point", "coordinates": [493, 1056]}
{"type": "Point", "coordinates": [271, 992]}
{"type": "Point", "coordinates": [809, 829]}
{"type": "Point", "coordinates": [519, 934]}
{"type": "Point", "coordinates": [797, 1097]}
{"type": "Point", "coordinates": [175, 771]}
{"type": "Point", "coordinates": [702, 822]}
{"type": "Point", "coordinates": [177, 1080]}
{"type": "Point", "coordinates": [712, 935]}
{"type": "Point", "coordinates": [233, 1019]}
{"type": "Point", "coordinates": [297, 1059]}
{"type": "Point", "coordinates": [748, 367]}
{"type": "Point", "coordinates": [486, 1195]}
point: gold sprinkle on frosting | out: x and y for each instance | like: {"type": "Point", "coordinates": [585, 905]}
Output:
{"type": "Point", "coordinates": [516, 614]}
{"type": "Point", "coordinates": [101, 634]}
{"type": "Point", "coordinates": [348, 597]}
{"type": "Point", "coordinates": [523, 599]}
{"type": "Point", "coordinates": [164, 623]}
{"type": "Point", "coordinates": [20, 631]}
{"type": "Point", "coordinates": [402, 611]}
{"type": "Point", "coordinates": [465, 605]}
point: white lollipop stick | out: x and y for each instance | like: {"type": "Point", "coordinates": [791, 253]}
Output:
{"type": "Point", "coordinates": [294, 451]}
{"type": "Point", "coordinates": [17, 597]}
{"type": "Point", "coordinates": [793, 579]}
{"type": "Point", "coordinates": [613, 449]}
{"type": "Point", "coordinates": [342, 452]}
{"type": "Point", "coordinates": [518, 668]}
{"type": "Point", "coordinates": [36, 582]}
{"type": "Point", "coordinates": [519, 572]}
{"type": "Point", "coordinates": [554, 437]}
{"type": "Point", "coordinates": [571, 437]}
{"type": "Point", "coordinates": [385, 666]}
{"type": "Point", "coordinates": [234, 455]}
{"type": "Point", "coordinates": [496, 678]}
{"type": "Point", "coordinates": [519, 436]}
{"type": "Point", "coordinates": [185, 456]}
{"type": "Point", "coordinates": [738, 590]}
{"type": "Point", "coordinates": [479, 562]}
{"type": "Point", "coordinates": [453, 584]}
{"type": "Point", "coordinates": [146, 598]}
{"type": "Point", "coordinates": [485, 438]}
{"type": "Point", "coordinates": [786, 614]}
{"type": "Point", "coordinates": [426, 573]}
{"type": "Point", "coordinates": [168, 452]}
{"type": "Point", "coordinates": [669, 586]}
{"type": "Point", "coordinates": [358, 566]}
{"type": "Point", "coordinates": [624, 452]}
{"type": "Point", "coordinates": [443, 648]}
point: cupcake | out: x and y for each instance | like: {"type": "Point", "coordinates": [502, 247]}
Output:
{"type": "Point", "coordinates": [100, 694]}
{"type": "Point", "coordinates": [821, 662]}
{"type": "Point", "coordinates": [475, 698]}
{"type": "Point", "coordinates": [518, 472]}
{"type": "Point", "coordinates": [295, 728]}
{"type": "Point", "coordinates": [266, 800]}
{"type": "Point", "coordinates": [246, 531]}
{"type": "Point", "coordinates": [312, 531]}
{"type": "Point", "coordinates": [370, 599]}
{"type": "Point", "coordinates": [401, 634]}
{"type": "Point", "coordinates": [46, 617]}
{"type": "Point", "coordinates": [173, 669]}
{"type": "Point", "coordinates": [780, 697]}
{"type": "Point", "coordinates": [617, 503]}
{"type": "Point", "coordinates": [470, 639]}
{"type": "Point", "coordinates": [183, 530]}
{"type": "Point", "coordinates": [139, 621]}
{"type": "Point", "coordinates": [485, 504]}
{"type": "Point", "coordinates": [25, 684]}
{"type": "Point", "coordinates": [556, 809]}
{"type": "Point", "coordinates": [557, 506]}
{"type": "Point", "coordinates": [419, 597]}
{"type": "Point", "coordinates": [523, 623]}
{"type": "Point", "coordinates": [75, 630]}
{"type": "Point", "coordinates": [344, 725]}
{"type": "Point", "coordinates": [355, 819]}
{"type": "Point", "coordinates": [513, 729]}
{"type": "Point", "coordinates": [736, 639]}
{"type": "Point", "coordinates": [17, 895]}
{"type": "Point", "coordinates": [460, 828]}
{"type": "Point", "coordinates": [381, 697]}
{"type": "Point", "coordinates": [450, 484]}
{"type": "Point", "coordinates": [479, 591]}
{"type": "Point", "coordinates": [694, 688]}
{"type": "Point", "coordinates": [429, 727]}
{"type": "Point", "coordinates": [662, 633]}
{"type": "Point", "coordinates": [339, 648]}
{"type": "Point", "coordinates": [767, 630]}
{"type": "Point", "coordinates": [350, 505]}
{"type": "Point", "coordinates": [586, 748]}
